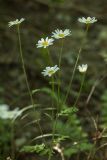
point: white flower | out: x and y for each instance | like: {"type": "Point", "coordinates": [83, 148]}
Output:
{"type": "Point", "coordinates": [4, 107]}
{"type": "Point", "coordinates": [45, 42]}
{"type": "Point", "coordinates": [75, 143]}
{"type": "Point", "coordinates": [83, 68]}
{"type": "Point", "coordinates": [16, 22]}
{"type": "Point", "coordinates": [5, 113]}
{"type": "Point", "coordinates": [49, 71]}
{"type": "Point", "coordinates": [87, 20]}
{"type": "Point", "coordinates": [57, 34]}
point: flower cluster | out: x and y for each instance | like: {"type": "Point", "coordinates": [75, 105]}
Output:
{"type": "Point", "coordinates": [57, 34]}
{"type": "Point", "coordinates": [49, 71]}
{"type": "Point", "coordinates": [5, 113]}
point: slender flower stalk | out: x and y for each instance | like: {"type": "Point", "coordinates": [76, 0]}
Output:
{"type": "Point", "coordinates": [50, 71]}
{"type": "Point", "coordinates": [12, 141]}
{"type": "Point", "coordinates": [26, 79]}
{"type": "Point", "coordinates": [79, 93]}
{"type": "Point", "coordinates": [53, 89]}
{"type": "Point", "coordinates": [75, 66]}
{"type": "Point", "coordinates": [51, 146]}
{"type": "Point", "coordinates": [59, 75]}
{"type": "Point", "coordinates": [49, 57]}
{"type": "Point", "coordinates": [23, 65]}
{"type": "Point", "coordinates": [60, 54]}
{"type": "Point", "coordinates": [59, 83]}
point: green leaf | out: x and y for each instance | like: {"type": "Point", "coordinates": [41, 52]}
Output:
{"type": "Point", "coordinates": [37, 148]}
{"type": "Point", "coordinates": [68, 111]}
{"type": "Point", "coordinates": [35, 91]}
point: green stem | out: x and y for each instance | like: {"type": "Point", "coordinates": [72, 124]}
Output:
{"type": "Point", "coordinates": [25, 75]}
{"type": "Point", "coordinates": [59, 64]}
{"type": "Point", "coordinates": [51, 147]}
{"type": "Point", "coordinates": [79, 93]}
{"type": "Point", "coordinates": [23, 66]}
{"type": "Point", "coordinates": [49, 58]}
{"type": "Point", "coordinates": [60, 55]}
{"type": "Point", "coordinates": [53, 87]}
{"type": "Point", "coordinates": [59, 83]}
{"type": "Point", "coordinates": [12, 141]}
{"type": "Point", "coordinates": [75, 66]}
{"type": "Point", "coordinates": [72, 77]}
{"type": "Point", "coordinates": [82, 83]}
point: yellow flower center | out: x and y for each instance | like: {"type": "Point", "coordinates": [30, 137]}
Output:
{"type": "Point", "coordinates": [87, 21]}
{"type": "Point", "coordinates": [51, 72]}
{"type": "Point", "coordinates": [61, 35]}
{"type": "Point", "coordinates": [45, 43]}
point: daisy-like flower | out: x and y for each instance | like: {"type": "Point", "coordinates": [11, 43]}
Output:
{"type": "Point", "coordinates": [49, 71]}
{"type": "Point", "coordinates": [57, 34]}
{"type": "Point", "coordinates": [16, 22]}
{"type": "Point", "coordinates": [83, 68]}
{"type": "Point", "coordinates": [45, 42]}
{"type": "Point", "coordinates": [87, 20]}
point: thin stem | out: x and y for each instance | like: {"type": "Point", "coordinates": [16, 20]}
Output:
{"type": "Point", "coordinates": [80, 90]}
{"type": "Point", "coordinates": [23, 65]}
{"type": "Point", "coordinates": [69, 86]}
{"type": "Point", "coordinates": [75, 66]}
{"type": "Point", "coordinates": [41, 131]}
{"type": "Point", "coordinates": [49, 57]}
{"type": "Point", "coordinates": [60, 54]}
{"type": "Point", "coordinates": [50, 153]}
{"type": "Point", "coordinates": [59, 83]}
{"type": "Point", "coordinates": [53, 87]}
{"type": "Point", "coordinates": [82, 83]}
{"type": "Point", "coordinates": [79, 93]}
{"type": "Point", "coordinates": [12, 141]}
{"type": "Point", "coordinates": [25, 75]}
{"type": "Point", "coordinates": [59, 75]}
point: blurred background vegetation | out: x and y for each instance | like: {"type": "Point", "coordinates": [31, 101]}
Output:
{"type": "Point", "coordinates": [43, 17]}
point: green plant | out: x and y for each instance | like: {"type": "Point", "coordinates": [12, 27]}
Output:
{"type": "Point", "coordinates": [66, 128]}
